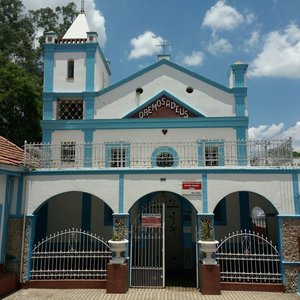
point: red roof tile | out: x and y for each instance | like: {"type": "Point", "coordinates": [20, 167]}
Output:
{"type": "Point", "coordinates": [10, 154]}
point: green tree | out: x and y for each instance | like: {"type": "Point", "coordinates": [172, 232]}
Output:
{"type": "Point", "coordinates": [20, 103]}
{"type": "Point", "coordinates": [17, 35]}
{"type": "Point", "coordinates": [21, 65]}
{"type": "Point", "coordinates": [58, 20]}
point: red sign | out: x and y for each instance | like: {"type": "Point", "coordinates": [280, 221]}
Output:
{"type": "Point", "coordinates": [151, 220]}
{"type": "Point", "coordinates": [192, 187]}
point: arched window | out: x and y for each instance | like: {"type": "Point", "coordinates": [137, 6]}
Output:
{"type": "Point", "coordinates": [258, 216]}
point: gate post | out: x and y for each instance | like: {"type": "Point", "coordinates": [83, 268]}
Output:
{"type": "Point", "coordinates": [209, 274]}
{"type": "Point", "coordinates": [289, 228]}
{"type": "Point", "coordinates": [29, 234]}
{"type": "Point", "coordinates": [122, 220]}
{"type": "Point", "coordinates": [117, 273]}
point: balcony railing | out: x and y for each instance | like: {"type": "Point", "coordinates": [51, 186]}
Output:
{"type": "Point", "coordinates": [202, 153]}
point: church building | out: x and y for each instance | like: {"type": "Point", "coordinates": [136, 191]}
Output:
{"type": "Point", "coordinates": [163, 154]}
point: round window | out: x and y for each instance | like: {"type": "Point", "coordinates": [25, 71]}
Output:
{"type": "Point", "coordinates": [164, 159]}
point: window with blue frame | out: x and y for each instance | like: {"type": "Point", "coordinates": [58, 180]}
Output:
{"type": "Point", "coordinates": [211, 153]}
{"type": "Point", "coordinates": [117, 155]}
{"type": "Point", "coordinates": [164, 157]}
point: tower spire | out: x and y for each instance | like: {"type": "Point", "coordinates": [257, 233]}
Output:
{"type": "Point", "coordinates": [82, 7]}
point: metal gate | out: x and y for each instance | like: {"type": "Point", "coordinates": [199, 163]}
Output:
{"type": "Point", "coordinates": [248, 257]}
{"type": "Point", "coordinates": [70, 254]}
{"type": "Point", "coordinates": [147, 260]}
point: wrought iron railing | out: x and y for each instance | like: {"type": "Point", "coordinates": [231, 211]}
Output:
{"type": "Point", "coordinates": [202, 153]}
{"type": "Point", "coordinates": [70, 254]}
{"type": "Point", "coordinates": [248, 257]}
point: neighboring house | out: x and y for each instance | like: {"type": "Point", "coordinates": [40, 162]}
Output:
{"type": "Point", "coordinates": [163, 151]}
{"type": "Point", "coordinates": [11, 212]}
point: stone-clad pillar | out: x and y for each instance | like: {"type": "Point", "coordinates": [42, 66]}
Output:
{"type": "Point", "coordinates": [289, 227]}
{"type": "Point", "coordinates": [28, 246]}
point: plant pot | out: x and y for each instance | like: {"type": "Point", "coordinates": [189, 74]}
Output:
{"type": "Point", "coordinates": [117, 247]}
{"type": "Point", "coordinates": [208, 247]}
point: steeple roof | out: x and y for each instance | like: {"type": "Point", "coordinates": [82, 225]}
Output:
{"type": "Point", "coordinates": [78, 29]}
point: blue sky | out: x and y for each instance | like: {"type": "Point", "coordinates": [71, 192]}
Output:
{"type": "Point", "coordinates": [207, 36]}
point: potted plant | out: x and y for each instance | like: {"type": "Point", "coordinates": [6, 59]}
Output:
{"type": "Point", "coordinates": [118, 242]}
{"type": "Point", "coordinates": [207, 244]}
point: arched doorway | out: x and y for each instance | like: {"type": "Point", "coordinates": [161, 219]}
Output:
{"type": "Point", "coordinates": [70, 237]}
{"type": "Point", "coordinates": [245, 226]}
{"type": "Point", "coordinates": [74, 209]}
{"type": "Point", "coordinates": [177, 252]}
{"type": "Point", "coordinates": [239, 211]}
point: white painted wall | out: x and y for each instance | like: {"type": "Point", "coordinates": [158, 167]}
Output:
{"type": "Point", "coordinates": [156, 135]}
{"type": "Point", "coordinates": [206, 99]}
{"type": "Point", "coordinates": [101, 75]}
{"type": "Point", "coordinates": [41, 188]}
{"type": "Point", "coordinates": [67, 136]}
{"type": "Point", "coordinates": [60, 81]}
{"type": "Point", "coordinates": [137, 186]}
{"type": "Point", "coordinates": [277, 188]}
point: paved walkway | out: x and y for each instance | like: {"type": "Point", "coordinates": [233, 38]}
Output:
{"type": "Point", "coordinates": [171, 293]}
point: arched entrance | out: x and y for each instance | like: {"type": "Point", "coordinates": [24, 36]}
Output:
{"type": "Point", "coordinates": [245, 211]}
{"type": "Point", "coordinates": [168, 246]}
{"type": "Point", "coordinates": [245, 226]}
{"type": "Point", "coordinates": [69, 241]}
{"type": "Point", "coordinates": [74, 209]}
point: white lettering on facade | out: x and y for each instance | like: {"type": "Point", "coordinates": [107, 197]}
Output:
{"type": "Point", "coordinates": [166, 103]}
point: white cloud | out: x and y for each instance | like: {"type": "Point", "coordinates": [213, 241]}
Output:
{"type": "Point", "coordinates": [280, 56]}
{"type": "Point", "coordinates": [95, 19]}
{"type": "Point", "coordinates": [217, 46]}
{"type": "Point", "coordinates": [222, 17]}
{"type": "Point", "coordinates": [268, 132]}
{"type": "Point", "coordinates": [249, 18]}
{"type": "Point", "coordinates": [145, 44]}
{"type": "Point", "coordinates": [195, 59]}
{"type": "Point", "coordinates": [294, 133]}
{"type": "Point", "coordinates": [253, 41]}
{"type": "Point", "coordinates": [265, 132]}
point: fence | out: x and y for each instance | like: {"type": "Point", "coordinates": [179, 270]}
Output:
{"type": "Point", "coordinates": [201, 153]}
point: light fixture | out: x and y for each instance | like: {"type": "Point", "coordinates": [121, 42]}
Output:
{"type": "Point", "coordinates": [139, 91]}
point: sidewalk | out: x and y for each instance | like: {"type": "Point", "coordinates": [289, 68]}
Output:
{"type": "Point", "coordinates": [170, 293]}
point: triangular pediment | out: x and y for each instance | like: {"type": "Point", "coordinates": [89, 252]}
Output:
{"type": "Point", "coordinates": [164, 105]}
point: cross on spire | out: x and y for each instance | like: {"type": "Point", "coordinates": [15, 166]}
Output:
{"type": "Point", "coordinates": [164, 46]}
{"type": "Point", "coordinates": [82, 7]}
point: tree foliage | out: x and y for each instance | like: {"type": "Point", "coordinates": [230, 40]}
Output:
{"type": "Point", "coordinates": [17, 35]}
{"type": "Point", "coordinates": [296, 154]}
{"type": "Point", "coordinates": [20, 103]}
{"type": "Point", "coordinates": [21, 65]}
{"type": "Point", "coordinates": [58, 20]}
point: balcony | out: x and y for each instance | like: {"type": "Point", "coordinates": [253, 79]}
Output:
{"type": "Point", "coordinates": [199, 154]}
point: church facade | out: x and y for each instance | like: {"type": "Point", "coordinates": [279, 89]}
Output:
{"type": "Point", "coordinates": [164, 152]}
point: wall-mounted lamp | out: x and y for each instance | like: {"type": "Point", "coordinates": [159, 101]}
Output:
{"type": "Point", "coordinates": [139, 91]}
